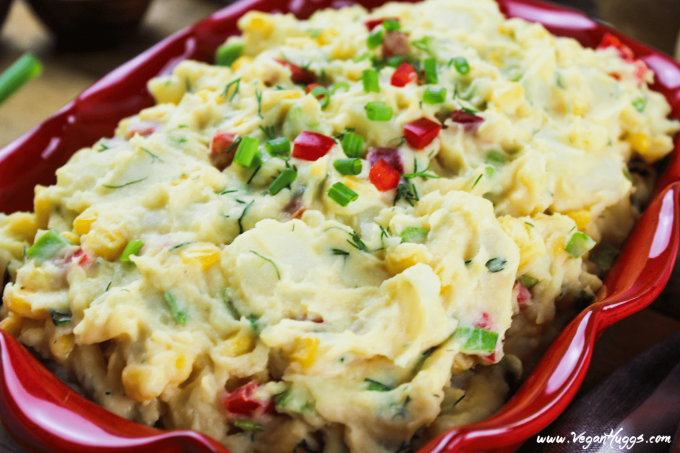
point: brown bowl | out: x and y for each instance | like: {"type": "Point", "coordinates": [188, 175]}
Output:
{"type": "Point", "coordinates": [4, 8]}
{"type": "Point", "coordinates": [82, 25]}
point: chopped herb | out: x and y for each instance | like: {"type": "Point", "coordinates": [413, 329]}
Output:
{"type": "Point", "coordinates": [342, 194]}
{"type": "Point", "coordinates": [578, 244]}
{"type": "Point", "coordinates": [247, 425]}
{"type": "Point", "coordinates": [154, 157]}
{"type": "Point", "coordinates": [180, 316]}
{"type": "Point", "coordinates": [257, 169]}
{"type": "Point", "coordinates": [370, 80]}
{"type": "Point", "coordinates": [243, 214]}
{"type": "Point", "coordinates": [458, 401]}
{"type": "Point", "coordinates": [430, 68]}
{"type": "Point", "coordinates": [339, 252]}
{"type": "Point", "coordinates": [401, 141]}
{"type": "Point", "coordinates": [375, 39]}
{"type": "Point", "coordinates": [424, 44]}
{"type": "Point", "coordinates": [352, 144]}
{"type": "Point", "coordinates": [314, 33]}
{"type": "Point", "coordinates": [421, 174]}
{"type": "Point", "coordinates": [530, 224]}
{"type": "Point", "coordinates": [338, 86]}
{"type": "Point", "coordinates": [361, 58]}
{"type": "Point", "coordinates": [627, 175]}
{"type": "Point", "coordinates": [375, 386]}
{"type": "Point", "coordinates": [351, 166]}
{"type": "Point", "coordinates": [108, 287]}
{"type": "Point", "coordinates": [246, 151]}
{"type": "Point", "coordinates": [496, 264]}
{"type": "Point", "coordinates": [47, 246]}
{"type": "Point", "coordinates": [402, 412]}
{"type": "Point", "coordinates": [180, 245]}
{"type": "Point", "coordinates": [183, 126]}
{"type": "Point", "coordinates": [236, 84]}
{"type": "Point", "coordinates": [434, 95]}
{"type": "Point", "coordinates": [356, 242]}
{"type": "Point", "coordinates": [406, 191]}
{"type": "Point", "coordinates": [258, 96]}
{"type": "Point", "coordinates": [269, 132]}
{"type": "Point", "coordinates": [278, 147]}
{"type": "Point", "coordinates": [414, 235]}
{"type": "Point", "coordinates": [495, 156]}
{"type": "Point", "coordinates": [252, 319]}
{"type": "Point", "coordinates": [468, 262]}
{"type": "Point", "coordinates": [322, 91]}
{"type": "Point", "coordinates": [528, 281]}
{"type": "Point", "coordinates": [234, 145]}
{"type": "Point", "coordinates": [461, 64]}
{"type": "Point", "coordinates": [102, 148]}
{"type": "Point", "coordinates": [383, 232]}
{"type": "Point", "coordinates": [285, 179]}
{"type": "Point", "coordinates": [226, 191]}
{"type": "Point", "coordinates": [278, 274]}
{"type": "Point", "coordinates": [229, 304]}
{"type": "Point", "coordinates": [476, 339]}
{"type": "Point", "coordinates": [391, 25]}
{"type": "Point", "coordinates": [123, 185]}
{"type": "Point", "coordinates": [640, 104]}
{"type": "Point", "coordinates": [378, 111]}
{"type": "Point", "coordinates": [132, 248]}
{"type": "Point", "coordinates": [228, 53]}
{"type": "Point", "coordinates": [59, 318]}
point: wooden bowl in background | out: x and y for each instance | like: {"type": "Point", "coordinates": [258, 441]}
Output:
{"type": "Point", "coordinates": [86, 25]}
{"type": "Point", "coordinates": [4, 8]}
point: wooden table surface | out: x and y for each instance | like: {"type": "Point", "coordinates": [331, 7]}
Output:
{"type": "Point", "coordinates": [67, 74]}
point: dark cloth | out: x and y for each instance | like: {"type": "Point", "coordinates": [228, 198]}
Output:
{"type": "Point", "coordinates": [640, 398]}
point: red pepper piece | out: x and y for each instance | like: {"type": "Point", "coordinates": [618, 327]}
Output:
{"type": "Point", "coordinates": [372, 23]}
{"type": "Point", "coordinates": [143, 128]}
{"type": "Point", "coordinates": [311, 146]}
{"type": "Point", "coordinates": [464, 117]}
{"type": "Point", "coordinates": [609, 40]}
{"type": "Point", "coordinates": [297, 73]}
{"type": "Point", "coordinates": [420, 133]}
{"type": "Point", "coordinates": [389, 155]}
{"type": "Point", "coordinates": [241, 403]}
{"type": "Point", "coordinates": [383, 176]}
{"type": "Point", "coordinates": [485, 322]}
{"type": "Point", "coordinates": [81, 258]}
{"type": "Point", "coordinates": [404, 75]}
{"type": "Point", "coordinates": [221, 143]}
{"type": "Point", "coordinates": [641, 69]}
{"type": "Point", "coordinates": [395, 43]}
{"type": "Point", "coordinates": [522, 294]}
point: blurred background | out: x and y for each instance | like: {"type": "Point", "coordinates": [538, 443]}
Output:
{"type": "Point", "coordinates": [79, 41]}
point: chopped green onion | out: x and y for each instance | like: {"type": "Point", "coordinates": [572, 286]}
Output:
{"type": "Point", "coordinates": [394, 62]}
{"type": "Point", "coordinates": [322, 91]}
{"type": "Point", "coordinates": [247, 425]}
{"type": "Point", "coordinates": [495, 157]}
{"type": "Point", "coordinates": [430, 67]}
{"type": "Point", "coordinates": [370, 79]}
{"type": "Point", "coordinates": [342, 194]}
{"type": "Point", "coordinates": [180, 316]}
{"type": "Point", "coordinates": [339, 85]}
{"type": "Point", "coordinates": [496, 264]}
{"type": "Point", "coordinates": [626, 174]}
{"type": "Point", "coordinates": [640, 104]}
{"type": "Point", "coordinates": [21, 72]}
{"type": "Point", "coordinates": [350, 166]}
{"type": "Point", "coordinates": [246, 151]}
{"type": "Point", "coordinates": [434, 95]}
{"type": "Point", "coordinates": [278, 147]}
{"type": "Point", "coordinates": [475, 339]}
{"type": "Point", "coordinates": [228, 53]}
{"type": "Point", "coordinates": [578, 244]}
{"type": "Point", "coordinates": [285, 178]}
{"type": "Point", "coordinates": [59, 318]}
{"type": "Point", "coordinates": [414, 235]}
{"type": "Point", "coordinates": [527, 281]}
{"type": "Point", "coordinates": [375, 386]}
{"type": "Point", "coordinates": [47, 246]}
{"type": "Point", "coordinates": [378, 111]}
{"type": "Point", "coordinates": [352, 144]}
{"type": "Point", "coordinates": [226, 298]}
{"type": "Point", "coordinates": [132, 248]}
{"type": "Point", "coordinates": [461, 64]}
{"type": "Point", "coordinates": [375, 39]}
{"type": "Point", "coordinates": [391, 25]}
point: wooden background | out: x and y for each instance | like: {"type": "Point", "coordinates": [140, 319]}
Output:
{"type": "Point", "coordinates": [656, 22]}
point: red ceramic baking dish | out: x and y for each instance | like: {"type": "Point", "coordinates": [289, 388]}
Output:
{"type": "Point", "coordinates": [43, 414]}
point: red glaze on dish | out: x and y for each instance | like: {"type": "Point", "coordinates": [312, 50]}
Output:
{"type": "Point", "coordinates": [43, 414]}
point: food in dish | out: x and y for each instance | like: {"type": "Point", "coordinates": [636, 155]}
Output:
{"type": "Point", "coordinates": [345, 237]}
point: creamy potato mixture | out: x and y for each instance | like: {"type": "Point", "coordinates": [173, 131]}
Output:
{"type": "Point", "coordinates": [348, 235]}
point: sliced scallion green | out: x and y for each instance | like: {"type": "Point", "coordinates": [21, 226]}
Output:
{"type": "Point", "coordinates": [228, 53]}
{"type": "Point", "coordinates": [430, 68]}
{"type": "Point", "coordinates": [370, 80]}
{"type": "Point", "coordinates": [132, 248]}
{"type": "Point", "coordinates": [578, 244]}
{"type": "Point", "coordinates": [350, 166]}
{"type": "Point", "coordinates": [278, 146]}
{"type": "Point", "coordinates": [461, 64]}
{"type": "Point", "coordinates": [391, 25]}
{"type": "Point", "coordinates": [352, 144]}
{"type": "Point", "coordinates": [21, 72]}
{"type": "Point", "coordinates": [47, 246]}
{"type": "Point", "coordinates": [180, 316]}
{"type": "Point", "coordinates": [434, 95]}
{"type": "Point", "coordinates": [527, 280]}
{"type": "Point", "coordinates": [325, 99]}
{"type": "Point", "coordinates": [342, 194]}
{"type": "Point", "coordinates": [496, 264]}
{"type": "Point", "coordinates": [375, 386]}
{"type": "Point", "coordinates": [476, 339]}
{"type": "Point", "coordinates": [285, 178]}
{"type": "Point", "coordinates": [414, 235]}
{"type": "Point", "coordinates": [378, 111]}
{"type": "Point", "coordinates": [375, 39]}
{"type": "Point", "coordinates": [246, 151]}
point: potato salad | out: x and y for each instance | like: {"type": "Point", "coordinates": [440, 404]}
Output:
{"type": "Point", "coordinates": [347, 234]}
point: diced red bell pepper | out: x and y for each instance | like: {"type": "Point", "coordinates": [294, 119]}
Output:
{"type": "Point", "coordinates": [143, 128]}
{"type": "Point", "coordinates": [404, 75]}
{"type": "Point", "coordinates": [311, 145]}
{"type": "Point", "coordinates": [421, 132]}
{"type": "Point", "coordinates": [297, 73]}
{"type": "Point", "coordinates": [221, 143]}
{"type": "Point", "coordinates": [383, 176]}
{"type": "Point", "coordinates": [395, 44]}
{"type": "Point", "coordinates": [81, 258]}
{"type": "Point", "coordinates": [241, 403]}
{"type": "Point", "coordinates": [609, 40]}
{"type": "Point", "coordinates": [372, 23]}
{"type": "Point", "coordinates": [641, 69]}
{"type": "Point", "coordinates": [522, 294]}
{"type": "Point", "coordinates": [484, 322]}
{"type": "Point", "coordinates": [463, 117]}
{"type": "Point", "coordinates": [311, 86]}
{"type": "Point", "coordinates": [389, 155]}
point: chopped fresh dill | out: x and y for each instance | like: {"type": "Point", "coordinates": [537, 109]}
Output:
{"type": "Point", "coordinates": [258, 95]}
{"type": "Point", "coordinates": [269, 132]}
{"type": "Point", "coordinates": [278, 274]}
{"type": "Point", "coordinates": [243, 214]}
{"type": "Point", "coordinates": [123, 185]}
{"type": "Point", "coordinates": [339, 252]}
{"type": "Point", "coordinates": [356, 242]}
{"type": "Point", "coordinates": [179, 245]}
{"type": "Point", "coordinates": [236, 84]}
{"type": "Point", "coordinates": [154, 157]}
{"type": "Point", "coordinates": [254, 173]}
{"type": "Point", "coordinates": [422, 173]}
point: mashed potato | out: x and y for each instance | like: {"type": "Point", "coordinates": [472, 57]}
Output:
{"type": "Point", "coordinates": [347, 235]}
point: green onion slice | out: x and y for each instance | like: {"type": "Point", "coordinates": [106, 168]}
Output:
{"type": "Point", "coordinates": [430, 67]}
{"type": "Point", "coordinates": [461, 64]}
{"type": "Point", "coordinates": [47, 246]}
{"type": "Point", "coordinates": [350, 166]}
{"type": "Point", "coordinates": [375, 39]}
{"type": "Point", "coordinates": [370, 79]}
{"type": "Point", "coordinates": [180, 316]}
{"type": "Point", "coordinates": [578, 244]}
{"type": "Point", "coordinates": [21, 72]}
{"type": "Point", "coordinates": [278, 146]}
{"type": "Point", "coordinates": [340, 85]}
{"type": "Point", "coordinates": [132, 248]}
{"type": "Point", "coordinates": [414, 235]}
{"type": "Point", "coordinates": [378, 111]}
{"type": "Point", "coordinates": [322, 91]}
{"type": "Point", "coordinates": [434, 95]}
{"type": "Point", "coordinates": [60, 317]}
{"type": "Point", "coordinates": [352, 144]}
{"type": "Point", "coordinates": [228, 53]}
{"type": "Point", "coordinates": [246, 151]}
{"type": "Point", "coordinates": [496, 264]}
{"type": "Point", "coordinates": [285, 178]}
{"type": "Point", "coordinates": [527, 280]}
{"type": "Point", "coordinates": [375, 386]}
{"type": "Point", "coordinates": [247, 425]}
{"type": "Point", "coordinates": [342, 194]}
{"type": "Point", "coordinates": [475, 339]}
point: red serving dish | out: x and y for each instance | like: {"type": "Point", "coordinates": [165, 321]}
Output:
{"type": "Point", "coordinates": [43, 414]}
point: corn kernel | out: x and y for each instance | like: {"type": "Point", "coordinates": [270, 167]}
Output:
{"type": "Point", "coordinates": [238, 344]}
{"type": "Point", "coordinates": [406, 255]}
{"type": "Point", "coordinates": [83, 223]}
{"type": "Point", "coordinates": [12, 324]}
{"type": "Point", "coordinates": [17, 301]}
{"type": "Point", "coordinates": [581, 217]}
{"type": "Point", "coordinates": [105, 243]}
{"type": "Point", "coordinates": [579, 108]}
{"type": "Point", "coordinates": [262, 24]}
{"type": "Point", "coordinates": [74, 238]}
{"type": "Point", "coordinates": [326, 36]}
{"type": "Point", "coordinates": [142, 383]}
{"type": "Point", "coordinates": [205, 256]}
{"type": "Point", "coordinates": [61, 347]}
{"type": "Point", "coordinates": [240, 62]}
{"type": "Point", "coordinates": [23, 224]}
{"type": "Point", "coordinates": [305, 352]}
{"type": "Point", "coordinates": [640, 142]}
{"type": "Point", "coordinates": [43, 207]}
